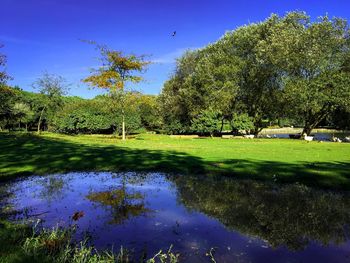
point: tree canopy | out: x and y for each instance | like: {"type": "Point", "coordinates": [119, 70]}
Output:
{"type": "Point", "coordinates": [285, 66]}
{"type": "Point", "coordinates": [116, 70]}
{"type": "Point", "coordinates": [286, 69]}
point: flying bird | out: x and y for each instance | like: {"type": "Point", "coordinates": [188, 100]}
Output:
{"type": "Point", "coordinates": [173, 34]}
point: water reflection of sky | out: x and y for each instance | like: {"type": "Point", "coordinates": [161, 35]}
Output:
{"type": "Point", "coordinates": [192, 214]}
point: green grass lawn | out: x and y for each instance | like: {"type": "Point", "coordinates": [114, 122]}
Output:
{"type": "Point", "coordinates": [325, 165]}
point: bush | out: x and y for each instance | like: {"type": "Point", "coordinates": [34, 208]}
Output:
{"type": "Point", "coordinates": [208, 121]}
{"type": "Point", "coordinates": [242, 122]}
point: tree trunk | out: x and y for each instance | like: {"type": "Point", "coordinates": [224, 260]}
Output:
{"type": "Point", "coordinates": [222, 125]}
{"type": "Point", "coordinates": [41, 115]}
{"type": "Point", "coordinates": [123, 127]}
{"type": "Point", "coordinates": [26, 127]}
{"type": "Point", "coordinates": [312, 123]}
{"type": "Point", "coordinates": [256, 131]}
{"type": "Point", "coordinates": [306, 131]}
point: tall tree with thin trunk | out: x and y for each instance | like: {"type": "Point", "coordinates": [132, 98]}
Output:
{"type": "Point", "coordinates": [53, 87]}
{"type": "Point", "coordinates": [116, 71]}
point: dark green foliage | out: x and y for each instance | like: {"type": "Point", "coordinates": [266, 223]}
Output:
{"type": "Point", "coordinates": [315, 80]}
{"type": "Point", "coordinates": [101, 115]}
{"type": "Point", "coordinates": [85, 116]}
{"type": "Point", "coordinates": [23, 110]}
{"type": "Point", "coordinates": [242, 122]}
{"type": "Point", "coordinates": [7, 99]}
{"type": "Point", "coordinates": [150, 112]}
{"type": "Point", "coordinates": [203, 79]}
{"type": "Point", "coordinates": [53, 88]}
{"type": "Point", "coordinates": [340, 119]}
{"type": "Point", "coordinates": [12, 237]}
{"type": "Point", "coordinates": [282, 67]}
{"type": "Point", "coordinates": [176, 127]}
{"type": "Point", "coordinates": [207, 122]}
{"type": "Point", "coordinates": [22, 113]}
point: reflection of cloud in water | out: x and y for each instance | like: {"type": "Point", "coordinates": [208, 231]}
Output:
{"type": "Point", "coordinates": [173, 216]}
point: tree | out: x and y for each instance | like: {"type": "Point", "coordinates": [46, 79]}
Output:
{"type": "Point", "coordinates": [116, 71]}
{"type": "Point", "coordinates": [6, 94]}
{"type": "Point", "coordinates": [230, 75]}
{"type": "Point", "coordinates": [23, 113]}
{"type": "Point", "coordinates": [52, 87]}
{"type": "Point", "coordinates": [313, 60]}
{"type": "Point", "coordinates": [7, 100]}
{"type": "Point", "coordinates": [281, 67]}
{"type": "Point", "coordinates": [175, 102]}
{"type": "Point", "coordinates": [258, 92]}
{"type": "Point", "coordinates": [340, 119]}
{"type": "Point", "coordinates": [83, 116]}
{"type": "Point", "coordinates": [242, 122]}
{"type": "Point", "coordinates": [203, 79]}
{"type": "Point", "coordinates": [150, 112]}
{"type": "Point", "coordinates": [208, 121]}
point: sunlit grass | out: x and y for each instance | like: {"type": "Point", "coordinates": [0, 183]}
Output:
{"type": "Point", "coordinates": [319, 164]}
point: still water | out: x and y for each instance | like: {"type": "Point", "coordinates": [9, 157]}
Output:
{"type": "Point", "coordinates": [244, 221]}
{"type": "Point", "coordinates": [317, 136]}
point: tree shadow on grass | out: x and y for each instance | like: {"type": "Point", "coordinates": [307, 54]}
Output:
{"type": "Point", "coordinates": [23, 155]}
{"type": "Point", "coordinates": [28, 154]}
{"type": "Point", "coordinates": [334, 175]}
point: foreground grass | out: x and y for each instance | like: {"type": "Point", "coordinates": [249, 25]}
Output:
{"type": "Point", "coordinates": [21, 244]}
{"type": "Point", "coordinates": [312, 163]}
{"type": "Point", "coordinates": [11, 238]}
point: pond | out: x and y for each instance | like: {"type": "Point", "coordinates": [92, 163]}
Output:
{"type": "Point", "coordinates": [244, 221]}
{"type": "Point", "coordinates": [317, 136]}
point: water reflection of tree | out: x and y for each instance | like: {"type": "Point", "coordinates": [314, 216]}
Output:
{"type": "Point", "coordinates": [290, 215]}
{"type": "Point", "coordinates": [53, 188]}
{"type": "Point", "coordinates": [123, 205]}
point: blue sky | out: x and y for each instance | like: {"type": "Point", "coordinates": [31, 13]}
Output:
{"type": "Point", "coordinates": [43, 35]}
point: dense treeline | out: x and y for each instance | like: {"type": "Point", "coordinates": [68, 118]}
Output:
{"type": "Point", "coordinates": [103, 115]}
{"type": "Point", "coordinates": [21, 110]}
{"type": "Point", "coordinates": [285, 71]}
{"type": "Point", "coordinates": [282, 68]}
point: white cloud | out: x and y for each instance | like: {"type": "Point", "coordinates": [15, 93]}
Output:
{"type": "Point", "coordinates": [170, 58]}
{"type": "Point", "coordinates": [15, 40]}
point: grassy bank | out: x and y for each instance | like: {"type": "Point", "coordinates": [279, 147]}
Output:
{"type": "Point", "coordinates": [22, 244]}
{"type": "Point", "coordinates": [312, 163]}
